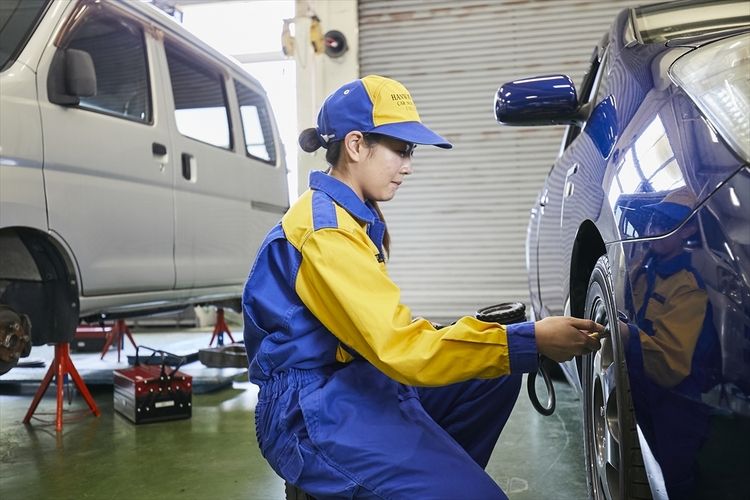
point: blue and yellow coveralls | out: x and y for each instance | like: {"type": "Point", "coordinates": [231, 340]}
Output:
{"type": "Point", "coordinates": [357, 398]}
{"type": "Point", "coordinates": [673, 356]}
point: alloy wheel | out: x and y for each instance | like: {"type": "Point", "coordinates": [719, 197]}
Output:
{"type": "Point", "coordinates": [613, 458]}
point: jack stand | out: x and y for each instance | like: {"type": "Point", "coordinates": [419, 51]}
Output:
{"type": "Point", "coordinates": [118, 329]}
{"type": "Point", "coordinates": [220, 328]}
{"type": "Point", "coordinates": [60, 367]}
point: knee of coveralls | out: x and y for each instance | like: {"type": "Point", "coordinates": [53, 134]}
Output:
{"type": "Point", "coordinates": [411, 457]}
{"type": "Point", "coordinates": [473, 412]}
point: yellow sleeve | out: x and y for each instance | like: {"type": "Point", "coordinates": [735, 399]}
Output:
{"type": "Point", "coordinates": [668, 354]}
{"type": "Point", "coordinates": [344, 286]}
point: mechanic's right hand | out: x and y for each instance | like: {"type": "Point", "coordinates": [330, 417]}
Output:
{"type": "Point", "coordinates": [560, 338]}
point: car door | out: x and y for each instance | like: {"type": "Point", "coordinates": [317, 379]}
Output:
{"type": "Point", "coordinates": [558, 189]}
{"type": "Point", "coordinates": [108, 184]}
{"type": "Point", "coordinates": [228, 193]}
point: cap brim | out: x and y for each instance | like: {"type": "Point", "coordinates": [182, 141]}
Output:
{"type": "Point", "coordinates": [413, 132]}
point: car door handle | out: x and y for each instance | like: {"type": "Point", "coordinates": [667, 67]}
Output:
{"type": "Point", "coordinates": [187, 166]}
{"type": "Point", "coordinates": [544, 198]}
{"type": "Point", "coordinates": [158, 149]}
{"type": "Point", "coordinates": [569, 186]}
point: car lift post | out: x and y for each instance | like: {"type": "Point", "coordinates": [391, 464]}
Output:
{"type": "Point", "coordinates": [60, 367]}
{"type": "Point", "coordinates": [220, 328]}
{"type": "Point", "coordinates": [118, 329]}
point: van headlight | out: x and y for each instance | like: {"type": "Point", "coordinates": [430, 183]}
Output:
{"type": "Point", "coordinates": [715, 76]}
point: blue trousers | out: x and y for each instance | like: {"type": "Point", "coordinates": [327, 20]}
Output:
{"type": "Point", "coordinates": [355, 433]}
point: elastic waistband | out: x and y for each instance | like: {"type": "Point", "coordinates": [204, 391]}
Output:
{"type": "Point", "coordinates": [292, 377]}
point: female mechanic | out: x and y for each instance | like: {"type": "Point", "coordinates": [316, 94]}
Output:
{"type": "Point", "coordinates": [357, 398]}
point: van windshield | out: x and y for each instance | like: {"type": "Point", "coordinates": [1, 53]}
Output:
{"type": "Point", "coordinates": [18, 18]}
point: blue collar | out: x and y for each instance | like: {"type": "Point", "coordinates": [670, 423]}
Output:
{"type": "Point", "coordinates": [342, 195]}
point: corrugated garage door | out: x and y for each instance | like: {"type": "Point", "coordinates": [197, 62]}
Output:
{"type": "Point", "coordinates": [459, 224]}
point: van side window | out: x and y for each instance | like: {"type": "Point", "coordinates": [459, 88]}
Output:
{"type": "Point", "coordinates": [118, 50]}
{"type": "Point", "coordinates": [256, 124]}
{"type": "Point", "coordinates": [200, 103]}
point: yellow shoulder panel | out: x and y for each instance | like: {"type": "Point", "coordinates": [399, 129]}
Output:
{"type": "Point", "coordinates": [297, 222]}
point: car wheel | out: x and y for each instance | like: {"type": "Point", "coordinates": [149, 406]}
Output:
{"type": "Point", "coordinates": [614, 464]}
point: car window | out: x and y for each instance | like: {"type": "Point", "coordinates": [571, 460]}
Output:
{"type": "Point", "coordinates": [200, 102]}
{"type": "Point", "coordinates": [586, 90]}
{"type": "Point", "coordinates": [588, 84]}
{"type": "Point", "coordinates": [118, 51]}
{"type": "Point", "coordinates": [256, 124]}
{"type": "Point", "coordinates": [18, 19]}
{"type": "Point", "coordinates": [602, 84]}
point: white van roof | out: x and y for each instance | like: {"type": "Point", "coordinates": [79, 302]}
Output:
{"type": "Point", "coordinates": [170, 25]}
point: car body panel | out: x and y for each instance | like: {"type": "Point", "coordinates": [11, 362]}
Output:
{"type": "Point", "coordinates": [22, 154]}
{"type": "Point", "coordinates": [95, 219]}
{"type": "Point", "coordinates": [115, 251]}
{"type": "Point", "coordinates": [637, 137]}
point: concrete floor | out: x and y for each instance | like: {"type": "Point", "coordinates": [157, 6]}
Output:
{"type": "Point", "coordinates": [214, 454]}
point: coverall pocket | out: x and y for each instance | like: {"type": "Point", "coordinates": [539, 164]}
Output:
{"type": "Point", "coordinates": [290, 460]}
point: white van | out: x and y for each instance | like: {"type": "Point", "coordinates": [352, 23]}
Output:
{"type": "Point", "coordinates": [139, 168]}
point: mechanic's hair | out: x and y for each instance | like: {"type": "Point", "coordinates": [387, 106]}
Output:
{"type": "Point", "coordinates": [309, 140]}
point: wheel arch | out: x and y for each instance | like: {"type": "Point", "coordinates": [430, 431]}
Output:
{"type": "Point", "coordinates": [587, 248]}
{"type": "Point", "coordinates": [39, 279]}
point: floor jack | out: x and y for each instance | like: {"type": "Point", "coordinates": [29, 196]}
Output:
{"type": "Point", "coordinates": [220, 328]}
{"type": "Point", "coordinates": [61, 366]}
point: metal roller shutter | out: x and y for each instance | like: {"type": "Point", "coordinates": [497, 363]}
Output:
{"type": "Point", "coordinates": [458, 225]}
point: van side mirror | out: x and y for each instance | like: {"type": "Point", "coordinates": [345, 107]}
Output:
{"type": "Point", "coordinates": [543, 100]}
{"type": "Point", "coordinates": [72, 76]}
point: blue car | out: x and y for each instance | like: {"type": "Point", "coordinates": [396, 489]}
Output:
{"type": "Point", "coordinates": [643, 224]}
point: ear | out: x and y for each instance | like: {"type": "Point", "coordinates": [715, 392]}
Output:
{"type": "Point", "coordinates": [353, 146]}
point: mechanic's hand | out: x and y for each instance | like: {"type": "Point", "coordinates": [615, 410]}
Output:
{"type": "Point", "coordinates": [562, 337]}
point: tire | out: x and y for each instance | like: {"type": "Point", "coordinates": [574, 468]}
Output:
{"type": "Point", "coordinates": [614, 464]}
{"type": "Point", "coordinates": [505, 313]}
{"type": "Point", "coordinates": [294, 493]}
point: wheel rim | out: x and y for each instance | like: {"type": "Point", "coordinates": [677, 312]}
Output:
{"type": "Point", "coordinates": [602, 418]}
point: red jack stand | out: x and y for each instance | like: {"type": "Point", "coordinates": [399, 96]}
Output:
{"type": "Point", "coordinates": [61, 366]}
{"type": "Point", "coordinates": [220, 328]}
{"type": "Point", "coordinates": [118, 329]}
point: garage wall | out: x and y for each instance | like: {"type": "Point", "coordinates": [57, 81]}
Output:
{"type": "Point", "coordinates": [317, 74]}
{"type": "Point", "coordinates": [459, 223]}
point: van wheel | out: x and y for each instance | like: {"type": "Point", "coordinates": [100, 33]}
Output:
{"type": "Point", "coordinates": [614, 464]}
{"type": "Point", "coordinates": [294, 493]}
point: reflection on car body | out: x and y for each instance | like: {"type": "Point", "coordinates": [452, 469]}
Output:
{"type": "Point", "coordinates": [659, 121]}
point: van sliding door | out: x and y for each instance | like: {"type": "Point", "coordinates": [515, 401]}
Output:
{"type": "Point", "coordinates": [214, 228]}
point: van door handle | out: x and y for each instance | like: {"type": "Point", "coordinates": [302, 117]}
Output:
{"type": "Point", "coordinates": [187, 166]}
{"type": "Point", "coordinates": [158, 149]}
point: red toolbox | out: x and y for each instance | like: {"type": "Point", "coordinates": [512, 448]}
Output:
{"type": "Point", "coordinates": [90, 338]}
{"type": "Point", "coordinates": [151, 393]}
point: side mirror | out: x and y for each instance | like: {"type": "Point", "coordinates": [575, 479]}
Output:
{"type": "Point", "coordinates": [80, 75]}
{"type": "Point", "coordinates": [72, 76]}
{"type": "Point", "coordinates": [543, 100]}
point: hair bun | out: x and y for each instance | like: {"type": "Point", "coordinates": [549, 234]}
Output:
{"type": "Point", "coordinates": [309, 140]}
